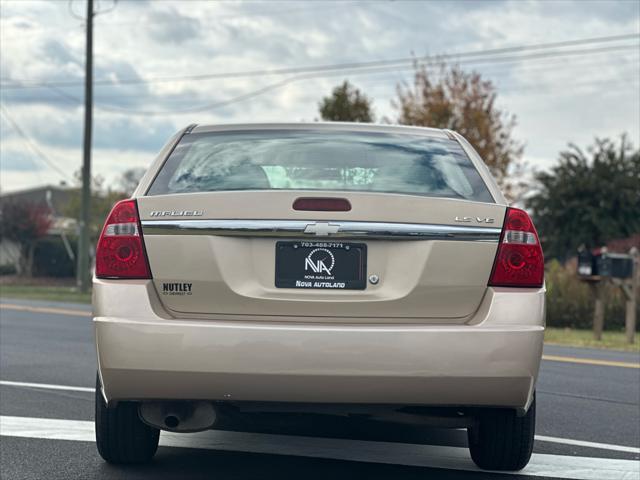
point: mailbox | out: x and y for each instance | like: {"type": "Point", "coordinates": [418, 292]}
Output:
{"type": "Point", "coordinates": [604, 264]}
{"type": "Point", "coordinates": [586, 264]}
{"type": "Point", "coordinates": [615, 265]}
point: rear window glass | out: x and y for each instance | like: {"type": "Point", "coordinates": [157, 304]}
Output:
{"type": "Point", "coordinates": [320, 160]}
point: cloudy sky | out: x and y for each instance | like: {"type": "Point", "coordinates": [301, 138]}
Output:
{"type": "Point", "coordinates": [160, 65]}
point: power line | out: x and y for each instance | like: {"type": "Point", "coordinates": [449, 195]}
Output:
{"type": "Point", "coordinates": [95, 14]}
{"type": "Point", "coordinates": [72, 13]}
{"type": "Point", "coordinates": [625, 78]}
{"type": "Point", "coordinates": [541, 65]}
{"type": "Point", "coordinates": [331, 67]}
{"type": "Point", "coordinates": [265, 89]}
{"type": "Point", "coordinates": [210, 106]}
{"type": "Point", "coordinates": [148, 21]}
{"type": "Point", "coordinates": [106, 10]}
{"type": "Point", "coordinates": [296, 78]}
{"type": "Point", "coordinates": [616, 80]}
{"type": "Point", "coordinates": [32, 144]}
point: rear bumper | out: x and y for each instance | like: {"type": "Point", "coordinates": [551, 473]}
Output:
{"type": "Point", "coordinates": [145, 354]}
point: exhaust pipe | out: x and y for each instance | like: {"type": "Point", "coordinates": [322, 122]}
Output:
{"type": "Point", "coordinates": [178, 416]}
{"type": "Point", "coordinates": [171, 421]}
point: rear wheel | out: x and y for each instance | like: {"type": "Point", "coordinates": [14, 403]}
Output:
{"type": "Point", "coordinates": [501, 440]}
{"type": "Point", "coordinates": [121, 436]}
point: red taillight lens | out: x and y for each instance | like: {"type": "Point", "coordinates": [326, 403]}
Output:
{"type": "Point", "coordinates": [519, 261]}
{"type": "Point", "coordinates": [120, 252]}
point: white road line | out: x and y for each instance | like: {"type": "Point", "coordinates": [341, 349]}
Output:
{"type": "Point", "coordinates": [582, 443]}
{"type": "Point", "coordinates": [47, 386]}
{"type": "Point", "coordinates": [455, 458]}
{"type": "Point", "coordinates": [539, 438]}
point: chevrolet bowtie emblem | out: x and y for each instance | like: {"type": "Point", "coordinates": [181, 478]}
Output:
{"type": "Point", "coordinates": [321, 228]}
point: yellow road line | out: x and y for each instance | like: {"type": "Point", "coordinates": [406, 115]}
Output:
{"type": "Point", "coordinates": [590, 361]}
{"type": "Point", "coordinates": [58, 311]}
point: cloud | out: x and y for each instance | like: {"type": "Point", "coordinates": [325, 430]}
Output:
{"type": "Point", "coordinates": [557, 100]}
{"type": "Point", "coordinates": [19, 159]}
{"type": "Point", "coordinates": [58, 54]}
{"type": "Point", "coordinates": [169, 26]}
{"type": "Point", "coordinates": [64, 130]}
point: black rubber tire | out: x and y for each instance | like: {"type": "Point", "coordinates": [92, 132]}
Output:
{"type": "Point", "coordinates": [501, 440]}
{"type": "Point", "coordinates": [121, 436]}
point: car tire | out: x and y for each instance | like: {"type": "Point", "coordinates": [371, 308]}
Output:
{"type": "Point", "coordinates": [121, 436]}
{"type": "Point", "coordinates": [501, 440]}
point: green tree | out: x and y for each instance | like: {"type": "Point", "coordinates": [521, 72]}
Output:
{"type": "Point", "coordinates": [129, 180]}
{"type": "Point", "coordinates": [102, 200]}
{"type": "Point", "coordinates": [346, 104]}
{"type": "Point", "coordinates": [448, 97]}
{"type": "Point", "coordinates": [101, 203]}
{"type": "Point", "coordinates": [24, 224]}
{"type": "Point", "coordinates": [588, 198]}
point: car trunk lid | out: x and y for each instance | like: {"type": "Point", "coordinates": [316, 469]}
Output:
{"type": "Point", "coordinates": [214, 254]}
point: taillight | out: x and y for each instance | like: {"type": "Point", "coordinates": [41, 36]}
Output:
{"type": "Point", "coordinates": [519, 261]}
{"type": "Point", "coordinates": [120, 251]}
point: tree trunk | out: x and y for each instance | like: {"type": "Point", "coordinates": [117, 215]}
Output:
{"type": "Point", "coordinates": [28, 260]}
{"type": "Point", "coordinates": [632, 299]}
{"type": "Point", "coordinates": [598, 311]}
{"type": "Point", "coordinates": [630, 321]}
{"type": "Point", "coordinates": [22, 261]}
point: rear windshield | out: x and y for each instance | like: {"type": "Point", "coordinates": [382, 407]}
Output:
{"type": "Point", "coordinates": [320, 160]}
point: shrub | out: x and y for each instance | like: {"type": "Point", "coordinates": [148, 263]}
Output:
{"type": "Point", "coordinates": [8, 269]}
{"type": "Point", "coordinates": [570, 301]}
{"type": "Point", "coordinates": [50, 258]}
{"type": "Point", "coordinates": [24, 224]}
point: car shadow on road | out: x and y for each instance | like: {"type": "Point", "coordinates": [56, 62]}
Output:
{"type": "Point", "coordinates": [171, 463]}
{"type": "Point", "coordinates": [345, 427]}
{"type": "Point", "coordinates": [178, 463]}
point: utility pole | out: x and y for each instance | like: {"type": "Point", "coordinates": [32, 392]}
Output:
{"type": "Point", "coordinates": [85, 206]}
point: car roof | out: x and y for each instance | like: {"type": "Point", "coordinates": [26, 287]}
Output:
{"type": "Point", "coordinates": [329, 126]}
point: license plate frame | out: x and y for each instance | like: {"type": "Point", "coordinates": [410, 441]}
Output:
{"type": "Point", "coordinates": [321, 265]}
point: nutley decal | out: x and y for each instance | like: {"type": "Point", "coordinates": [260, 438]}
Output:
{"type": "Point", "coordinates": [176, 288]}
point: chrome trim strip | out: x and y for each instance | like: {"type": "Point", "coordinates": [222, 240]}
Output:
{"type": "Point", "coordinates": [321, 229]}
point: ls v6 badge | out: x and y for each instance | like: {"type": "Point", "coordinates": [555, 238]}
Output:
{"type": "Point", "coordinates": [477, 219]}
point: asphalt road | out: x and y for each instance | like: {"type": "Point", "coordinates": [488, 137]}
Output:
{"type": "Point", "coordinates": [579, 405]}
